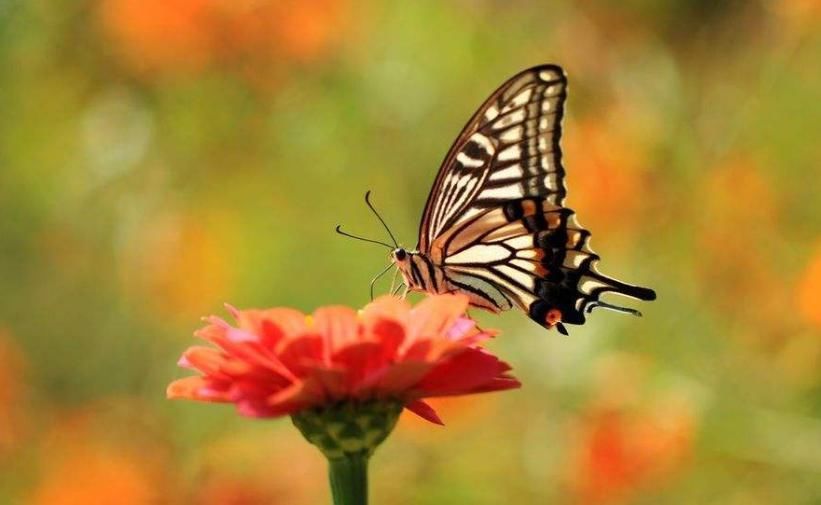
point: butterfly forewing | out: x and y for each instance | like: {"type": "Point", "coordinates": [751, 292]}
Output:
{"type": "Point", "coordinates": [495, 221]}
{"type": "Point", "coordinates": [509, 149]}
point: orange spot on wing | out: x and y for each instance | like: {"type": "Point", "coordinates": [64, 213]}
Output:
{"type": "Point", "coordinates": [528, 207]}
{"type": "Point", "coordinates": [553, 221]}
{"type": "Point", "coordinates": [553, 316]}
{"type": "Point", "coordinates": [573, 238]}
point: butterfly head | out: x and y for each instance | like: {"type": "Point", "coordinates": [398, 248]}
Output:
{"type": "Point", "coordinates": [408, 262]}
{"type": "Point", "coordinates": [399, 255]}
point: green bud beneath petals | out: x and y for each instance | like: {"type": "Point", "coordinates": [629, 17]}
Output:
{"type": "Point", "coordinates": [348, 428]}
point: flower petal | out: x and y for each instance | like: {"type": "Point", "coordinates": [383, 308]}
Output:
{"type": "Point", "coordinates": [339, 325]}
{"type": "Point", "coordinates": [297, 395]}
{"type": "Point", "coordinates": [473, 370]}
{"type": "Point", "coordinates": [424, 411]}
{"type": "Point", "coordinates": [205, 359]}
{"type": "Point", "coordinates": [359, 361]}
{"type": "Point", "coordinates": [401, 377]}
{"type": "Point", "coordinates": [291, 322]}
{"type": "Point", "coordinates": [332, 381]}
{"type": "Point", "coordinates": [386, 308]}
{"type": "Point", "coordinates": [435, 315]}
{"type": "Point", "coordinates": [390, 334]}
{"type": "Point", "coordinates": [258, 409]}
{"type": "Point", "coordinates": [254, 353]}
{"type": "Point", "coordinates": [195, 388]}
{"type": "Point", "coordinates": [300, 354]}
{"type": "Point", "coordinates": [460, 328]}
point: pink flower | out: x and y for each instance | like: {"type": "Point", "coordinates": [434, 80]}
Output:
{"type": "Point", "coordinates": [278, 361]}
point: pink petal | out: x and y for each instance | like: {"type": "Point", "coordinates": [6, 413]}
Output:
{"type": "Point", "coordinates": [417, 351]}
{"type": "Point", "coordinates": [239, 336]}
{"type": "Point", "coordinates": [339, 325]}
{"type": "Point", "coordinates": [253, 353]}
{"type": "Point", "coordinates": [212, 330]}
{"type": "Point", "coordinates": [299, 354]}
{"type": "Point", "coordinates": [272, 324]}
{"type": "Point", "coordinates": [232, 310]}
{"type": "Point", "coordinates": [499, 384]}
{"type": "Point", "coordinates": [400, 377]}
{"type": "Point", "coordinates": [390, 334]}
{"type": "Point", "coordinates": [304, 393]}
{"type": "Point", "coordinates": [184, 388]}
{"type": "Point", "coordinates": [251, 387]}
{"type": "Point", "coordinates": [331, 380]}
{"type": "Point", "coordinates": [424, 411]}
{"type": "Point", "coordinates": [291, 322]}
{"type": "Point", "coordinates": [387, 307]}
{"type": "Point", "coordinates": [460, 328]}
{"type": "Point", "coordinates": [467, 372]}
{"type": "Point", "coordinates": [254, 408]}
{"type": "Point", "coordinates": [435, 315]}
{"type": "Point", "coordinates": [195, 388]}
{"type": "Point", "coordinates": [359, 361]}
{"type": "Point", "coordinates": [205, 359]}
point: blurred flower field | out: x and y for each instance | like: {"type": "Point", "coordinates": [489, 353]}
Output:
{"type": "Point", "coordinates": [159, 158]}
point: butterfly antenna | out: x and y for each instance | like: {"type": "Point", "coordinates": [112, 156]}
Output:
{"type": "Point", "coordinates": [370, 205]}
{"type": "Point", "coordinates": [339, 230]}
{"type": "Point", "coordinates": [380, 274]}
{"type": "Point", "coordinates": [616, 308]}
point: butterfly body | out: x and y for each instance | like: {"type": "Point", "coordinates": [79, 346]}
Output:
{"type": "Point", "coordinates": [420, 273]}
{"type": "Point", "coordinates": [495, 227]}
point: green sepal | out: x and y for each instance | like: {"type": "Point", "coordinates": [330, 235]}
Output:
{"type": "Point", "coordinates": [350, 427]}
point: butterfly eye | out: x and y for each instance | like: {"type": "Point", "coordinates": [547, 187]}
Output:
{"type": "Point", "coordinates": [400, 254]}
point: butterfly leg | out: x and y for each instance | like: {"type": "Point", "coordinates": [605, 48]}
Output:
{"type": "Point", "coordinates": [394, 288]}
{"type": "Point", "coordinates": [380, 274]}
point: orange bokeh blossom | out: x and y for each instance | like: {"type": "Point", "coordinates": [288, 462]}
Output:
{"type": "Point", "coordinates": [279, 361]}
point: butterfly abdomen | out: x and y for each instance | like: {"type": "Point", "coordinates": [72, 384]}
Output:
{"type": "Point", "coordinates": [421, 274]}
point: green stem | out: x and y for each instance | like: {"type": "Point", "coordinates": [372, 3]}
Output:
{"type": "Point", "coordinates": [349, 479]}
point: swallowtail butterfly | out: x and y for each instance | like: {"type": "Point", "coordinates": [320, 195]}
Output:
{"type": "Point", "coordinates": [495, 227]}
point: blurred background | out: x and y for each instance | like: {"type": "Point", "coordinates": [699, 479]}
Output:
{"type": "Point", "coordinates": [161, 157]}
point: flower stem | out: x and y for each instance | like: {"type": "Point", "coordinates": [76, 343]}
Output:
{"type": "Point", "coordinates": [349, 479]}
{"type": "Point", "coordinates": [347, 433]}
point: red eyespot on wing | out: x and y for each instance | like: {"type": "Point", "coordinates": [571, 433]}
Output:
{"type": "Point", "coordinates": [553, 316]}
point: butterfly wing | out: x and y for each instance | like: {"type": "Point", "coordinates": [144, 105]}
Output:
{"type": "Point", "coordinates": [495, 220]}
{"type": "Point", "coordinates": [509, 148]}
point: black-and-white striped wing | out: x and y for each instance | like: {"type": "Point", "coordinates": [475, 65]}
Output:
{"type": "Point", "coordinates": [495, 220]}
{"type": "Point", "coordinates": [509, 149]}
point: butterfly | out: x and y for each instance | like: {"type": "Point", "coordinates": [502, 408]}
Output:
{"type": "Point", "coordinates": [495, 227]}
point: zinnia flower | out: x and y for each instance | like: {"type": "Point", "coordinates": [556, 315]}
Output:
{"type": "Point", "coordinates": [279, 361]}
{"type": "Point", "coordinates": [344, 376]}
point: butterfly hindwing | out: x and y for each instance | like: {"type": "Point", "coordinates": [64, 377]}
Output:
{"type": "Point", "coordinates": [534, 255]}
{"type": "Point", "coordinates": [566, 279]}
